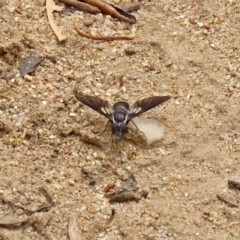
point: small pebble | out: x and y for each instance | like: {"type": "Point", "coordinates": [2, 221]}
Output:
{"type": "Point", "coordinates": [57, 186]}
{"type": "Point", "coordinates": [28, 78]}
{"type": "Point", "coordinates": [72, 114]}
{"type": "Point", "coordinates": [19, 211]}
{"type": "Point", "coordinates": [169, 63]}
{"type": "Point", "coordinates": [165, 233]}
{"type": "Point", "coordinates": [92, 209]}
{"type": "Point", "coordinates": [11, 9]}
{"type": "Point", "coordinates": [130, 50]}
{"type": "Point", "coordinates": [88, 21]}
{"type": "Point", "coordinates": [71, 182]}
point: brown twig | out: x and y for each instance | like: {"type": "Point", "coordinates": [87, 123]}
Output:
{"type": "Point", "coordinates": [51, 7]}
{"type": "Point", "coordinates": [226, 200]}
{"type": "Point", "coordinates": [104, 38]}
{"type": "Point", "coordinates": [234, 184]}
{"type": "Point", "coordinates": [112, 10]}
{"type": "Point", "coordinates": [108, 187]}
{"type": "Point", "coordinates": [121, 82]}
{"type": "Point", "coordinates": [109, 221]}
{"type": "Point", "coordinates": [82, 6]}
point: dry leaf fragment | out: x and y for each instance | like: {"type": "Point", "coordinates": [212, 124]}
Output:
{"type": "Point", "coordinates": [82, 6]}
{"type": "Point", "coordinates": [11, 220]}
{"type": "Point", "coordinates": [228, 200]}
{"type": "Point", "coordinates": [112, 10]}
{"type": "Point", "coordinates": [109, 222]}
{"type": "Point", "coordinates": [51, 7]}
{"type": "Point", "coordinates": [73, 230]}
{"type": "Point", "coordinates": [234, 184]}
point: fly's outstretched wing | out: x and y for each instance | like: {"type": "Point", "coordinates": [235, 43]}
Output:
{"type": "Point", "coordinates": [97, 104]}
{"type": "Point", "coordinates": [146, 104]}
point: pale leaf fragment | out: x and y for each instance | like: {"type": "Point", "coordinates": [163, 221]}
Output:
{"type": "Point", "coordinates": [51, 7]}
{"type": "Point", "coordinates": [73, 230]}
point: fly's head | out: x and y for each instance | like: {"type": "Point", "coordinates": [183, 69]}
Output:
{"type": "Point", "coordinates": [119, 128]}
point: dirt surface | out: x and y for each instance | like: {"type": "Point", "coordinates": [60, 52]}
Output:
{"type": "Point", "coordinates": [55, 164]}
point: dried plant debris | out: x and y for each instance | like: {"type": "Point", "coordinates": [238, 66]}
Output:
{"type": "Point", "coordinates": [124, 196]}
{"type": "Point", "coordinates": [29, 64]}
{"type": "Point", "coordinates": [227, 199]}
{"type": "Point", "coordinates": [112, 10]}
{"type": "Point", "coordinates": [33, 206]}
{"type": "Point", "coordinates": [73, 230]}
{"type": "Point", "coordinates": [82, 6]}
{"type": "Point", "coordinates": [109, 222]}
{"type": "Point", "coordinates": [234, 184]}
{"type": "Point", "coordinates": [92, 6]}
{"type": "Point", "coordinates": [12, 220]}
{"type": "Point", "coordinates": [51, 7]}
{"type": "Point", "coordinates": [109, 187]}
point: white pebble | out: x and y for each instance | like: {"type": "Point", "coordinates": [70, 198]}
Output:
{"type": "Point", "coordinates": [72, 114]}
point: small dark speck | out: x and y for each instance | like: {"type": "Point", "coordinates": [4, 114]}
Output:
{"type": "Point", "coordinates": [84, 170]}
{"type": "Point", "coordinates": [78, 80]}
{"type": "Point", "coordinates": [52, 59]}
{"type": "Point", "coordinates": [55, 153]}
{"type": "Point", "coordinates": [92, 183]}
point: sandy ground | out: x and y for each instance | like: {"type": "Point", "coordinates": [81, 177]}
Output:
{"type": "Point", "coordinates": [56, 165]}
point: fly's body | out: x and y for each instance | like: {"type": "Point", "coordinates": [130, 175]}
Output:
{"type": "Point", "coordinates": [120, 118]}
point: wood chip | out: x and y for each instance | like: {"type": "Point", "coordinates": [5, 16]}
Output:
{"type": "Point", "coordinates": [109, 222]}
{"type": "Point", "coordinates": [108, 187]}
{"type": "Point", "coordinates": [82, 6]}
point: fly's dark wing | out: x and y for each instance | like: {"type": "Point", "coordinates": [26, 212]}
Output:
{"type": "Point", "coordinates": [97, 104]}
{"type": "Point", "coordinates": [146, 104]}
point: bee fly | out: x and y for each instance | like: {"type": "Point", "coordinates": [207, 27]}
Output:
{"type": "Point", "coordinates": [120, 114]}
